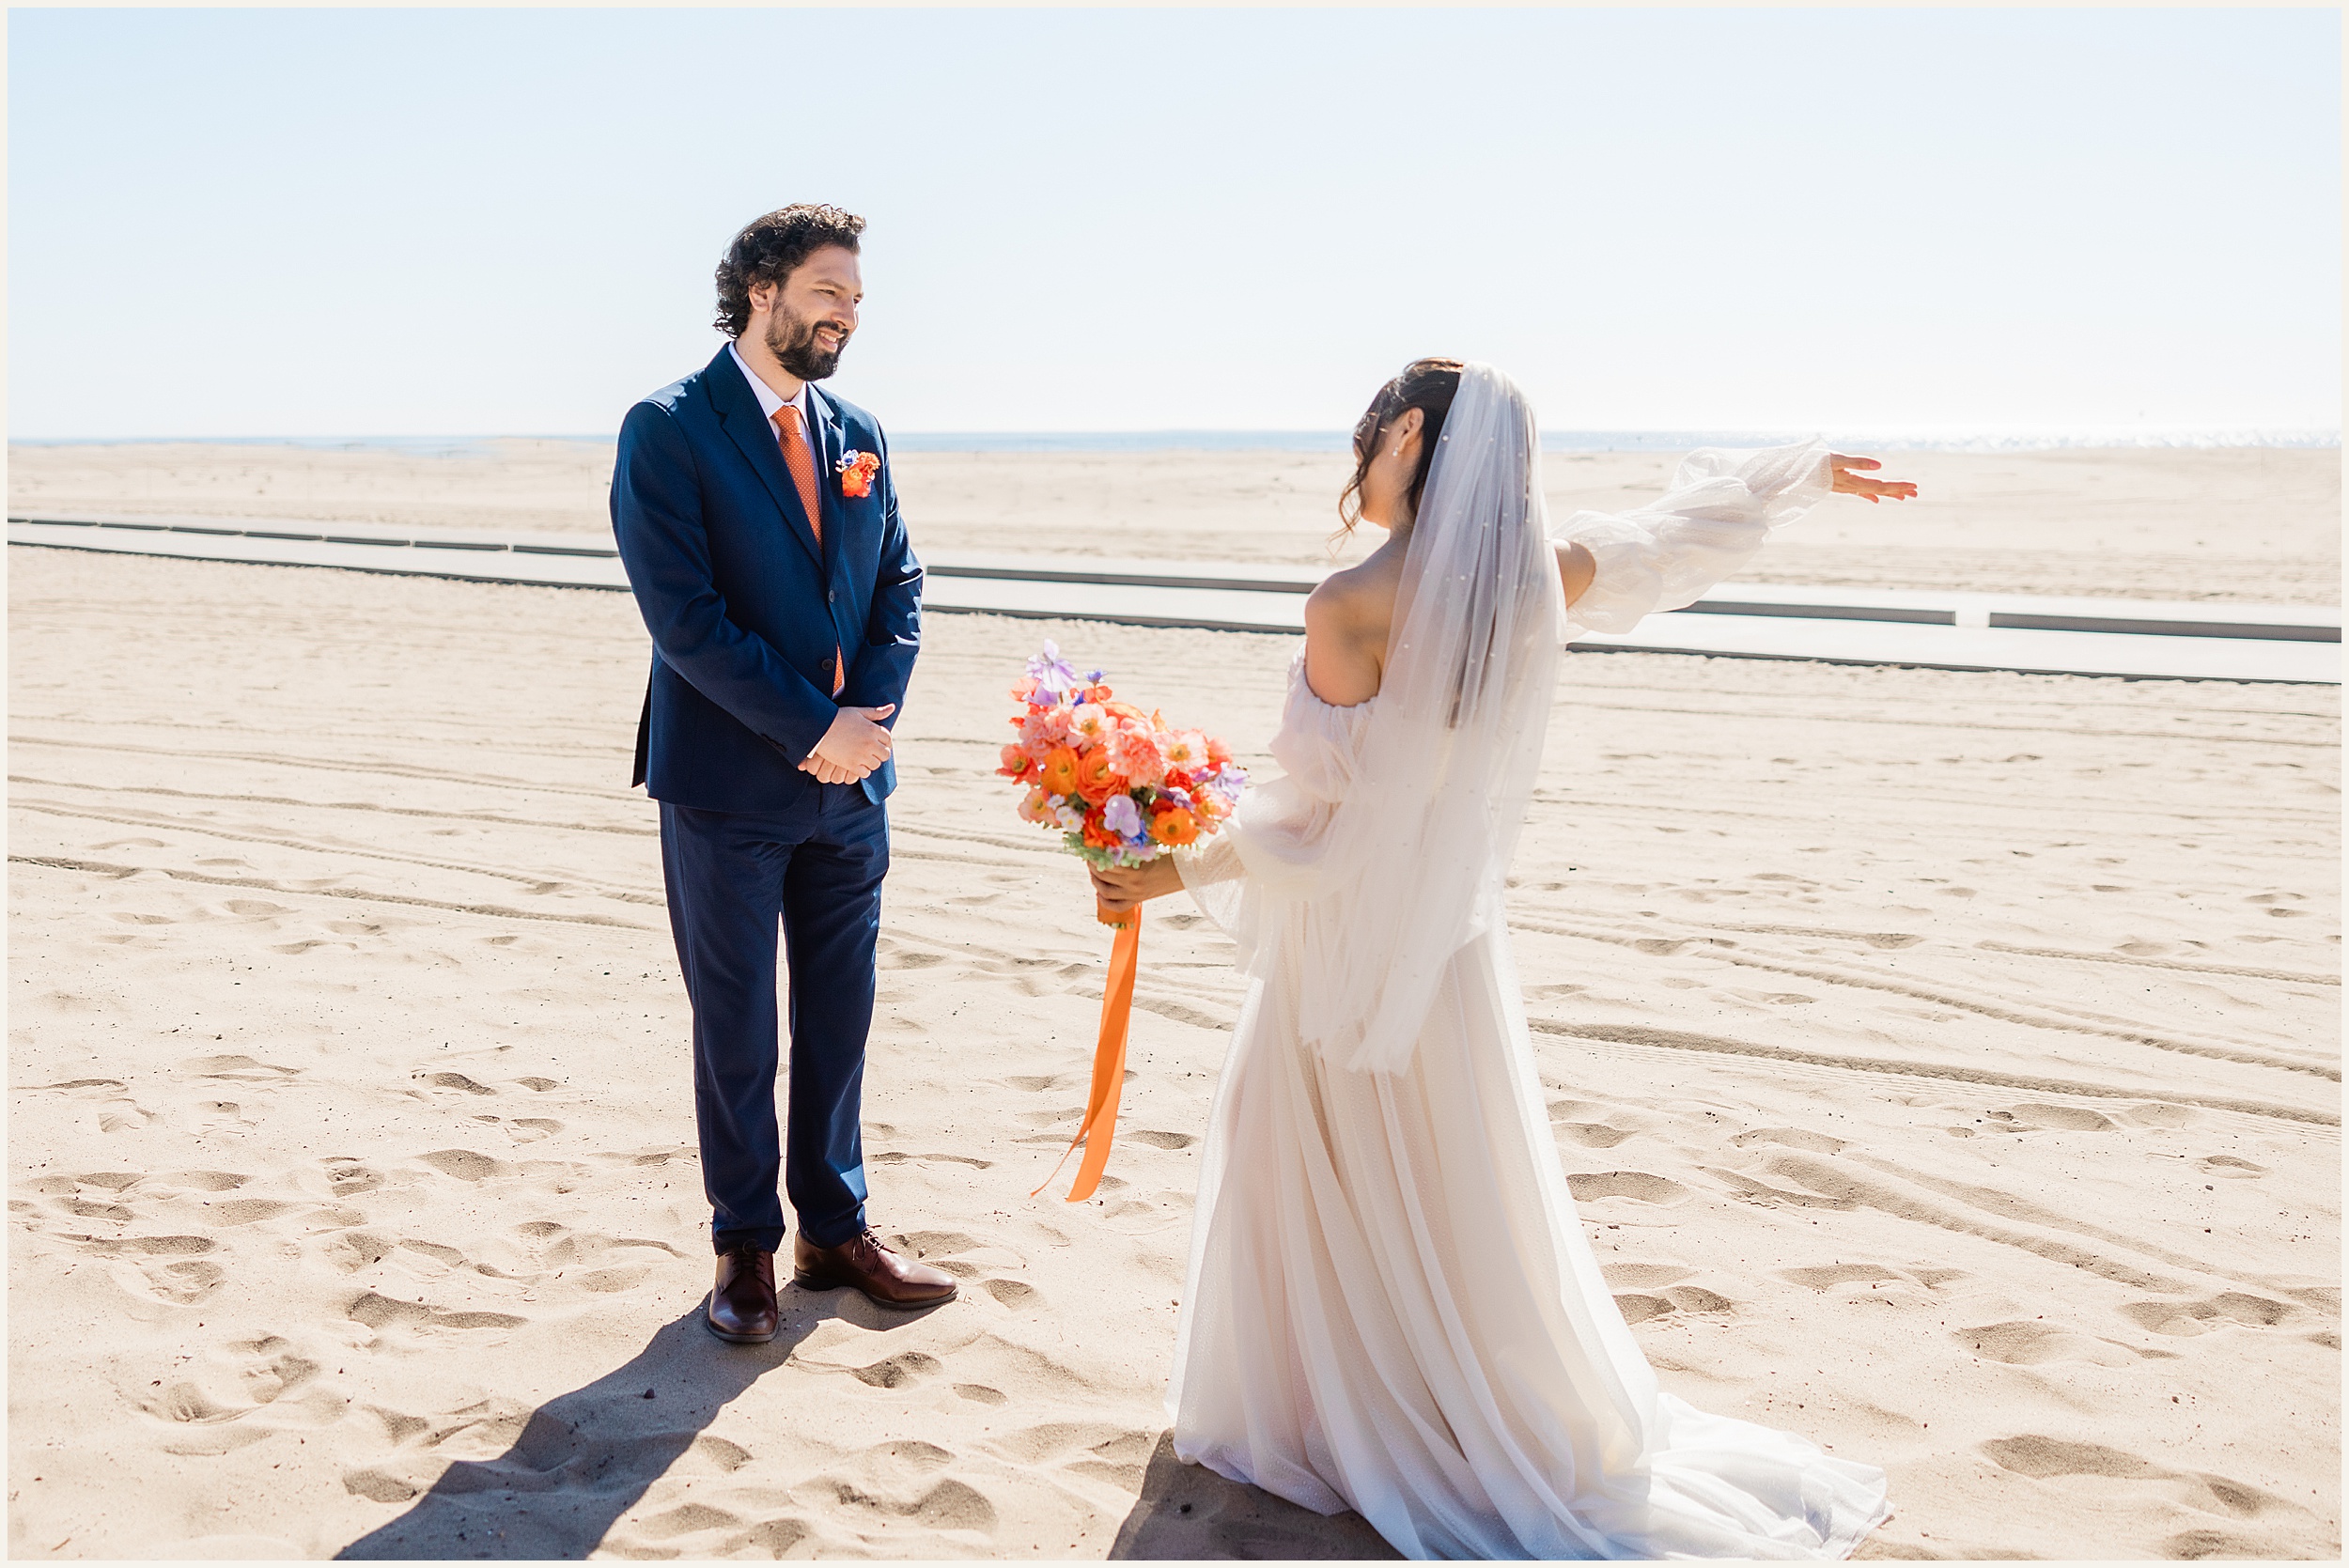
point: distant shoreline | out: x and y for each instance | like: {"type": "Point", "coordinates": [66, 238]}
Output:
{"type": "Point", "coordinates": [1320, 441]}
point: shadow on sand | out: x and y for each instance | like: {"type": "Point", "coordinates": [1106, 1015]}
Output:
{"type": "Point", "coordinates": [586, 1457]}
{"type": "Point", "coordinates": [1188, 1511]}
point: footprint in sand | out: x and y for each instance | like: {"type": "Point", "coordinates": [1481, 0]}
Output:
{"type": "Point", "coordinates": [466, 1165]}
{"type": "Point", "coordinates": [959, 1254]}
{"type": "Point", "coordinates": [387, 1316]}
{"type": "Point", "coordinates": [1828, 1276]}
{"type": "Point", "coordinates": [453, 1080]}
{"type": "Point", "coordinates": [1015, 1294]}
{"type": "Point", "coordinates": [1637, 1184]}
{"type": "Point", "coordinates": [1640, 1306]}
{"type": "Point", "coordinates": [690, 1519]}
{"type": "Point", "coordinates": [1103, 1450]}
{"type": "Point", "coordinates": [204, 1181]}
{"type": "Point", "coordinates": [234, 1382]}
{"type": "Point", "coordinates": [901, 1481]}
{"type": "Point", "coordinates": [896, 1156]}
{"type": "Point", "coordinates": [553, 1255]}
{"type": "Point", "coordinates": [2043, 1458]}
{"type": "Point", "coordinates": [170, 1268]}
{"type": "Point", "coordinates": [1792, 1138]}
{"type": "Point", "coordinates": [347, 1178]}
{"type": "Point", "coordinates": [2057, 1118]}
{"type": "Point", "coordinates": [242, 1069]}
{"type": "Point", "coordinates": [2033, 1342]}
{"type": "Point", "coordinates": [906, 1368]}
{"type": "Point", "coordinates": [2229, 1308]}
{"type": "Point", "coordinates": [247, 1211]}
{"type": "Point", "coordinates": [1590, 1135]}
{"type": "Point", "coordinates": [352, 1251]}
{"type": "Point", "coordinates": [2279, 904]}
{"type": "Point", "coordinates": [1643, 1275]}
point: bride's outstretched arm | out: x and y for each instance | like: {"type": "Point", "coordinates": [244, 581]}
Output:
{"type": "Point", "coordinates": [1618, 567]}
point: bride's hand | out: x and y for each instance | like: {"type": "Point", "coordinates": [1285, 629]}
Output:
{"type": "Point", "coordinates": [1126, 887]}
{"type": "Point", "coordinates": [1849, 482]}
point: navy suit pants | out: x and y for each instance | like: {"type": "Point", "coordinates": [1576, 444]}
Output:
{"type": "Point", "coordinates": [731, 876]}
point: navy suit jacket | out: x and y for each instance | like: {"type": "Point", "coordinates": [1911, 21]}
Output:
{"type": "Point", "coordinates": [744, 607]}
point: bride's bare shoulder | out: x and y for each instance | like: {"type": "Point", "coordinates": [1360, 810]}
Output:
{"type": "Point", "coordinates": [1359, 598]}
{"type": "Point", "coordinates": [1346, 632]}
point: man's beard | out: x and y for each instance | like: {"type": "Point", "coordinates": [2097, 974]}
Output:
{"type": "Point", "coordinates": [791, 338]}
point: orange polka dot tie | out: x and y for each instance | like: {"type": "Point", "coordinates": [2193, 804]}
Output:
{"type": "Point", "coordinates": [800, 459]}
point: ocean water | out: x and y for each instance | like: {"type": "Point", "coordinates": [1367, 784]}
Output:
{"type": "Point", "coordinates": [1336, 441]}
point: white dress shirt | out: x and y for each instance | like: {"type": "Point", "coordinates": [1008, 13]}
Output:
{"type": "Point", "coordinates": [769, 403]}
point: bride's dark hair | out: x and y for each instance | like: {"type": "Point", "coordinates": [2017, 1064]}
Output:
{"type": "Point", "coordinates": [1425, 384]}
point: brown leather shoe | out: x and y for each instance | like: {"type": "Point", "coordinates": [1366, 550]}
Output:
{"type": "Point", "coordinates": [741, 1307]}
{"type": "Point", "coordinates": [861, 1261]}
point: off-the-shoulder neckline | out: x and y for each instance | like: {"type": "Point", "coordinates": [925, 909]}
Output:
{"type": "Point", "coordinates": [1296, 680]}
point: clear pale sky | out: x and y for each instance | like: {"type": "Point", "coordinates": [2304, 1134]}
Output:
{"type": "Point", "coordinates": [451, 222]}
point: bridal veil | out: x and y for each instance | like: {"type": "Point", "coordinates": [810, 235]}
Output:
{"type": "Point", "coordinates": [1449, 755]}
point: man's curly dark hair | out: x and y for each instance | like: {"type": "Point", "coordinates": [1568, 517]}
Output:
{"type": "Point", "coordinates": [770, 247]}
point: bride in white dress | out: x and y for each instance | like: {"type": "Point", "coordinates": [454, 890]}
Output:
{"type": "Point", "coordinates": [1392, 1306]}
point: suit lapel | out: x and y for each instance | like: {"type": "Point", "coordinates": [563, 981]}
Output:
{"type": "Point", "coordinates": [738, 411]}
{"type": "Point", "coordinates": [828, 449]}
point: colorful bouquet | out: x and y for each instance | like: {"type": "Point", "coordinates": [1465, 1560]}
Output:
{"type": "Point", "coordinates": [1124, 787]}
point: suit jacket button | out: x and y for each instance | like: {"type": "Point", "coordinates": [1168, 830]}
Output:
{"type": "Point", "coordinates": [832, 596]}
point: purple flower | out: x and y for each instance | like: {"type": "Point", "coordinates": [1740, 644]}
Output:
{"type": "Point", "coordinates": [1120, 816]}
{"type": "Point", "coordinates": [1052, 671]}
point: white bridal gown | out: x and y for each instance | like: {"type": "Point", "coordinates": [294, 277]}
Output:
{"type": "Point", "coordinates": [1392, 1306]}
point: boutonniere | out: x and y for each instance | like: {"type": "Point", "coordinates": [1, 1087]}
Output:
{"type": "Point", "coordinates": [855, 469]}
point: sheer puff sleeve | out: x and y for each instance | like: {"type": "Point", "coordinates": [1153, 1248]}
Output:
{"type": "Point", "coordinates": [1273, 845]}
{"type": "Point", "coordinates": [1713, 518]}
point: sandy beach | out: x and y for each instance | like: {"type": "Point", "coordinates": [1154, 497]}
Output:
{"type": "Point", "coordinates": [1946, 1065]}
{"type": "Point", "coordinates": [2244, 524]}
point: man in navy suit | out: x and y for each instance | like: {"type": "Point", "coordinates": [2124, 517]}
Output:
{"type": "Point", "coordinates": [759, 526]}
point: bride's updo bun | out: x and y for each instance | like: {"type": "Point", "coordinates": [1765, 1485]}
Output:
{"type": "Point", "coordinates": [1425, 384]}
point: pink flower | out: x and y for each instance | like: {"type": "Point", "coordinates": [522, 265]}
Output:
{"type": "Point", "coordinates": [1046, 729]}
{"type": "Point", "coordinates": [1134, 752]}
{"type": "Point", "coordinates": [1184, 750]}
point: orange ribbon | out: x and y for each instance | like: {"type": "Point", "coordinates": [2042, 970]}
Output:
{"type": "Point", "coordinates": [1108, 1058]}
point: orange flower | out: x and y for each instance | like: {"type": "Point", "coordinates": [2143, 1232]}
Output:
{"type": "Point", "coordinates": [1097, 835]}
{"type": "Point", "coordinates": [1126, 711]}
{"type": "Point", "coordinates": [856, 471]}
{"type": "Point", "coordinates": [1096, 781]}
{"type": "Point", "coordinates": [1016, 764]}
{"type": "Point", "coordinates": [1172, 825]}
{"type": "Point", "coordinates": [1059, 773]}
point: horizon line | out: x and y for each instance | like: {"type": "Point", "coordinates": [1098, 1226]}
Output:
{"type": "Point", "coordinates": [2311, 434]}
